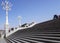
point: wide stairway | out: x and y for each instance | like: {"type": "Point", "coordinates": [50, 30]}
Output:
{"type": "Point", "coordinates": [46, 32]}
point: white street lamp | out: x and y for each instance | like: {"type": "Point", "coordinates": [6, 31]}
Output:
{"type": "Point", "coordinates": [6, 6]}
{"type": "Point", "coordinates": [19, 20]}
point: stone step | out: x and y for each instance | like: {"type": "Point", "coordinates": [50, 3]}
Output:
{"type": "Point", "coordinates": [41, 39]}
{"type": "Point", "coordinates": [29, 41]}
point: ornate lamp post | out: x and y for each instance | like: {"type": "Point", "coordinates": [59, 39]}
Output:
{"type": "Point", "coordinates": [6, 6]}
{"type": "Point", "coordinates": [19, 20]}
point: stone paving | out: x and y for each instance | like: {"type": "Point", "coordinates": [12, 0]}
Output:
{"type": "Point", "coordinates": [2, 40]}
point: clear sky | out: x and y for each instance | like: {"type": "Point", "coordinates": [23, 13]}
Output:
{"type": "Point", "coordinates": [30, 10]}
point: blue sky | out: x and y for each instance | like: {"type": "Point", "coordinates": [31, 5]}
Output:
{"type": "Point", "coordinates": [30, 10]}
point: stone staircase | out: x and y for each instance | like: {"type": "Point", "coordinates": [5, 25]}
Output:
{"type": "Point", "coordinates": [37, 38]}
{"type": "Point", "coordinates": [46, 32]}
